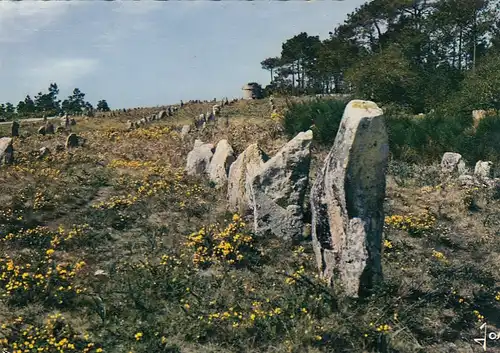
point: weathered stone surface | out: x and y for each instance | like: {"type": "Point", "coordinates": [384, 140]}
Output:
{"type": "Point", "coordinates": [484, 169]}
{"type": "Point", "coordinates": [468, 180]}
{"type": "Point", "coordinates": [49, 128]}
{"type": "Point", "coordinates": [452, 163]}
{"type": "Point", "coordinates": [185, 131]}
{"type": "Point", "coordinates": [44, 151]}
{"type": "Point", "coordinates": [72, 141]}
{"type": "Point", "coordinates": [245, 167]}
{"type": "Point", "coordinates": [199, 158]}
{"type": "Point", "coordinates": [129, 125]}
{"type": "Point", "coordinates": [15, 129]}
{"type": "Point", "coordinates": [277, 191]}
{"type": "Point", "coordinates": [218, 168]}
{"type": "Point", "coordinates": [60, 129]}
{"type": "Point", "coordinates": [162, 114]}
{"type": "Point", "coordinates": [347, 200]}
{"type": "Point", "coordinates": [6, 151]}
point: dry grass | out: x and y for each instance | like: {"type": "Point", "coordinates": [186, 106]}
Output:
{"type": "Point", "coordinates": [183, 275]}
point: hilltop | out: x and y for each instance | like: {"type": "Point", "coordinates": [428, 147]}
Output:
{"type": "Point", "coordinates": [101, 248]}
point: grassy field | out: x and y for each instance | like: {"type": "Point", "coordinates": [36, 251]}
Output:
{"type": "Point", "coordinates": [109, 247]}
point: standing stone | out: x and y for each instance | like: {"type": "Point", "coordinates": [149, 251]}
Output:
{"type": "Point", "coordinates": [129, 125]}
{"type": "Point", "coordinates": [41, 130]}
{"type": "Point", "coordinates": [162, 114]}
{"type": "Point", "coordinates": [347, 201]}
{"type": "Point", "coordinates": [72, 121]}
{"type": "Point", "coordinates": [66, 122]}
{"type": "Point", "coordinates": [43, 152]}
{"type": "Point", "coordinates": [216, 110]}
{"type": "Point", "coordinates": [72, 141]}
{"type": "Point", "coordinates": [199, 158]}
{"type": "Point", "coordinates": [278, 189]}
{"type": "Point", "coordinates": [185, 131]}
{"type": "Point", "coordinates": [182, 104]}
{"type": "Point", "coordinates": [60, 129]}
{"type": "Point", "coordinates": [452, 163]}
{"type": "Point", "coordinates": [218, 168]}
{"type": "Point", "coordinates": [49, 128]}
{"type": "Point", "coordinates": [242, 170]}
{"type": "Point", "coordinates": [6, 151]}
{"type": "Point", "coordinates": [15, 129]}
{"type": "Point", "coordinates": [484, 170]}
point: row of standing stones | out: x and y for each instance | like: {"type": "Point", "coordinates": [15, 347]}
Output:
{"type": "Point", "coordinates": [72, 140]}
{"type": "Point", "coordinates": [6, 143]}
{"type": "Point", "coordinates": [346, 198]}
{"type": "Point", "coordinates": [170, 111]}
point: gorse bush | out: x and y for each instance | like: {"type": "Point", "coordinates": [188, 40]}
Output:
{"type": "Point", "coordinates": [323, 115]}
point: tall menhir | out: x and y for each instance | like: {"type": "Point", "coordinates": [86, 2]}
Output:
{"type": "Point", "coordinates": [347, 201]}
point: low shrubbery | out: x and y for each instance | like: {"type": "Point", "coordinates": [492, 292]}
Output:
{"type": "Point", "coordinates": [413, 139]}
{"type": "Point", "coordinates": [322, 116]}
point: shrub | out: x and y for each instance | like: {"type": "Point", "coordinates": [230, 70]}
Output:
{"type": "Point", "coordinates": [412, 139]}
{"type": "Point", "coordinates": [323, 115]}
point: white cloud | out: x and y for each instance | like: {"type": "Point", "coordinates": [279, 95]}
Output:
{"type": "Point", "coordinates": [20, 19]}
{"type": "Point", "coordinates": [64, 71]}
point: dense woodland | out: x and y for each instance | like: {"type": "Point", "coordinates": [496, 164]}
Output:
{"type": "Point", "coordinates": [420, 54]}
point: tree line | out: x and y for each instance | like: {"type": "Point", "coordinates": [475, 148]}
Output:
{"type": "Point", "coordinates": [48, 104]}
{"type": "Point", "coordinates": [414, 53]}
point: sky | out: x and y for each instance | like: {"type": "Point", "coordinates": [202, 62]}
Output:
{"type": "Point", "coordinates": [149, 53]}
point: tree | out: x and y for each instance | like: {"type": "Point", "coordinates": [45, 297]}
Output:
{"type": "Point", "coordinates": [102, 106]}
{"type": "Point", "coordinates": [433, 44]}
{"type": "Point", "coordinates": [270, 64]}
{"type": "Point", "coordinates": [298, 53]}
{"type": "Point", "coordinates": [9, 108]}
{"type": "Point", "coordinates": [75, 103]}
{"type": "Point", "coordinates": [385, 77]}
{"type": "Point", "coordinates": [26, 107]}
{"type": "Point", "coordinates": [47, 103]}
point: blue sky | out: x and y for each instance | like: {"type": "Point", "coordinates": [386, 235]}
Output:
{"type": "Point", "coordinates": [149, 53]}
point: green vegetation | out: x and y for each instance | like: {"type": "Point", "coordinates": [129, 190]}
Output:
{"type": "Point", "coordinates": [417, 54]}
{"type": "Point", "coordinates": [111, 248]}
{"type": "Point", "coordinates": [322, 116]}
{"type": "Point", "coordinates": [47, 104]}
